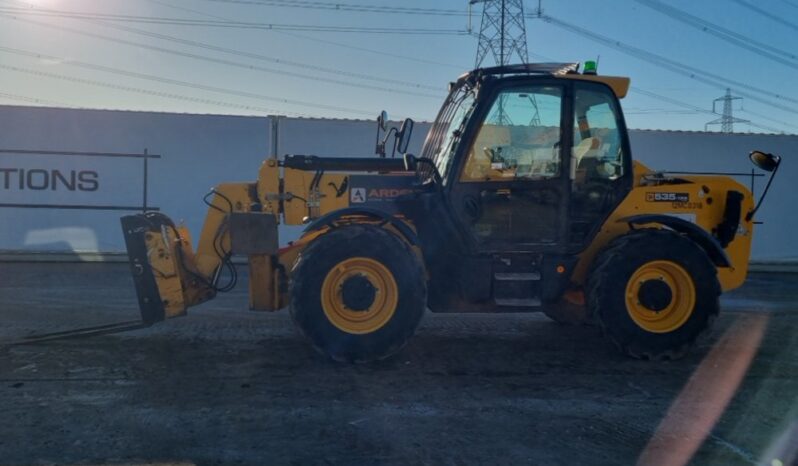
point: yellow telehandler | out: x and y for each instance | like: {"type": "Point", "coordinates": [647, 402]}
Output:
{"type": "Point", "coordinates": [525, 197]}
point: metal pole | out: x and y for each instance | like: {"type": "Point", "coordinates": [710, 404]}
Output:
{"type": "Point", "coordinates": [501, 47]}
{"type": "Point", "coordinates": [275, 135]}
{"type": "Point", "coordinates": [146, 159]}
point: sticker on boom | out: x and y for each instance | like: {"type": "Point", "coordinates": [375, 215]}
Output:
{"type": "Point", "coordinates": [667, 197]}
{"type": "Point", "coordinates": [357, 195]}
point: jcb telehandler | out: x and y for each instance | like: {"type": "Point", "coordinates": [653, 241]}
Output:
{"type": "Point", "coordinates": [525, 197]}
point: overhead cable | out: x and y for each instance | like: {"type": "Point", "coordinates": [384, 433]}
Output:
{"type": "Point", "coordinates": [325, 41]}
{"type": "Point", "coordinates": [337, 6]}
{"type": "Point", "coordinates": [226, 62]}
{"type": "Point", "coordinates": [679, 68]}
{"type": "Point", "coordinates": [176, 82]}
{"type": "Point", "coordinates": [230, 24]}
{"type": "Point", "coordinates": [769, 15]}
{"type": "Point", "coordinates": [784, 57]}
{"type": "Point", "coordinates": [161, 94]}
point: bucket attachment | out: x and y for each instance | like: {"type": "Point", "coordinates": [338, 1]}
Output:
{"type": "Point", "coordinates": [161, 262]}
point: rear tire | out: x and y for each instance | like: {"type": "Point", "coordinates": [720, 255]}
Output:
{"type": "Point", "coordinates": [358, 293]}
{"type": "Point", "coordinates": [653, 293]}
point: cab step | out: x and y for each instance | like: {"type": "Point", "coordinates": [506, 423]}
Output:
{"type": "Point", "coordinates": [516, 282]}
{"type": "Point", "coordinates": [518, 302]}
{"type": "Point", "coordinates": [514, 277]}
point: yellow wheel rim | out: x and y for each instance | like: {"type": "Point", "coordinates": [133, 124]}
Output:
{"type": "Point", "coordinates": [675, 313]}
{"type": "Point", "coordinates": [379, 311]}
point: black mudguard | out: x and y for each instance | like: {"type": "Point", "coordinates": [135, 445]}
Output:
{"type": "Point", "coordinates": [707, 242]}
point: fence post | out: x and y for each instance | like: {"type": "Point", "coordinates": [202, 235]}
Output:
{"type": "Point", "coordinates": [146, 160]}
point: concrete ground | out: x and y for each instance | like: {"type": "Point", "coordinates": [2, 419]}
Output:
{"type": "Point", "coordinates": [229, 386]}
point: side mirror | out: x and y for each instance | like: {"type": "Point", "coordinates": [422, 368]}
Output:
{"type": "Point", "coordinates": [404, 135]}
{"type": "Point", "coordinates": [382, 120]}
{"type": "Point", "coordinates": [769, 163]}
{"type": "Point", "coordinates": [764, 161]}
{"type": "Point", "coordinates": [411, 162]}
{"type": "Point", "coordinates": [382, 125]}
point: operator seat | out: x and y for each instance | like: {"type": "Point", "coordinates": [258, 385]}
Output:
{"type": "Point", "coordinates": [585, 156]}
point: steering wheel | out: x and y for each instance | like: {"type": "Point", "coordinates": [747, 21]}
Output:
{"type": "Point", "coordinates": [593, 195]}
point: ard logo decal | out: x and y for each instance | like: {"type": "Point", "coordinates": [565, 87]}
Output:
{"type": "Point", "coordinates": [357, 195]}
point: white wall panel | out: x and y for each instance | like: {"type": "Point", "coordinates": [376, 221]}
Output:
{"type": "Point", "coordinates": [199, 151]}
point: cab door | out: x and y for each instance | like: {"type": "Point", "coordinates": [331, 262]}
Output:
{"type": "Point", "coordinates": [510, 191]}
{"type": "Point", "coordinates": [601, 165]}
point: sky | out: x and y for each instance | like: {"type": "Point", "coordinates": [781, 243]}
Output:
{"type": "Point", "coordinates": [186, 56]}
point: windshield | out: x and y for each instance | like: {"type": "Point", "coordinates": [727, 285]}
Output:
{"type": "Point", "coordinates": [447, 129]}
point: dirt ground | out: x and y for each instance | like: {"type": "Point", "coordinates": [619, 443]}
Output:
{"type": "Point", "coordinates": [229, 386]}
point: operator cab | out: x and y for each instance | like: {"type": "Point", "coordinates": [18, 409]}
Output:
{"type": "Point", "coordinates": [531, 159]}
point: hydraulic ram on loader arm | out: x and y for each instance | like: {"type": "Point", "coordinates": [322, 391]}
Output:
{"type": "Point", "coordinates": [242, 219]}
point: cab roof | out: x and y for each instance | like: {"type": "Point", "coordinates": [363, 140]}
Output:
{"type": "Point", "coordinates": [619, 84]}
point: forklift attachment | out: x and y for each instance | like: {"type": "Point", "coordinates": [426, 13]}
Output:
{"type": "Point", "coordinates": [136, 228]}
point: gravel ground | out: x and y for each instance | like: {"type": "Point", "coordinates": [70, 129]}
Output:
{"type": "Point", "coordinates": [229, 386]}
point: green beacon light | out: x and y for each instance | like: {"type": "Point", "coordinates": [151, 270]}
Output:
{"type": "Point", "coordinates": [590, 67]}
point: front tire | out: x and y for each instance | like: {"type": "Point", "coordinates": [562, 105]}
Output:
{"type": "Point", "coordinates": [653, 292]}
{"type": "Point", "coordinates": [358, 293]}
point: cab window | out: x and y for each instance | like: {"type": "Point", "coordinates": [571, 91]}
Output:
{"type": "Point", "coordinates": [597, 159]}
{"type": "Point", "coordinates": [597, 151]}
{"type": "Point", "coordinates": [519, 138]}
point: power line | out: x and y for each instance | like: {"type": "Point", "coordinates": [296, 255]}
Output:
{"type": "Point", "coordinates": [221, 61]}
{"type": "Point", "coordinates": [347, 7]}
{"type": "Point", "coordinates": [694, 108]}
{"type": "Point", "coordinates": [257, 56]}
{"type": "Point", "coordinates": [228, 62]}
{"type": "Point", "coordinates": [34, 100]}
{"type": "Point", "coordinates": [381, 53]}
{"type": "Point", "coordinates": [689, 108]}
{"type": "Point", "coordinates": [175, 82]}
{"type": "Point", "coordinates": [230, 24]}
{"type": "Point", "coordinates": [168, 95]}
{"type": "Point", "coordinates": [768, 14]}
{"type": "Point", "coordinates": [765, 117]}
{"type": "Point", "coordinates": [677, 67]}
{"type": "Point", "coordinates": [727, 35]}
{"type": "Point", "coordinates": [251, 55]}
{"type": "Point", "coordinates": [658, 111]}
